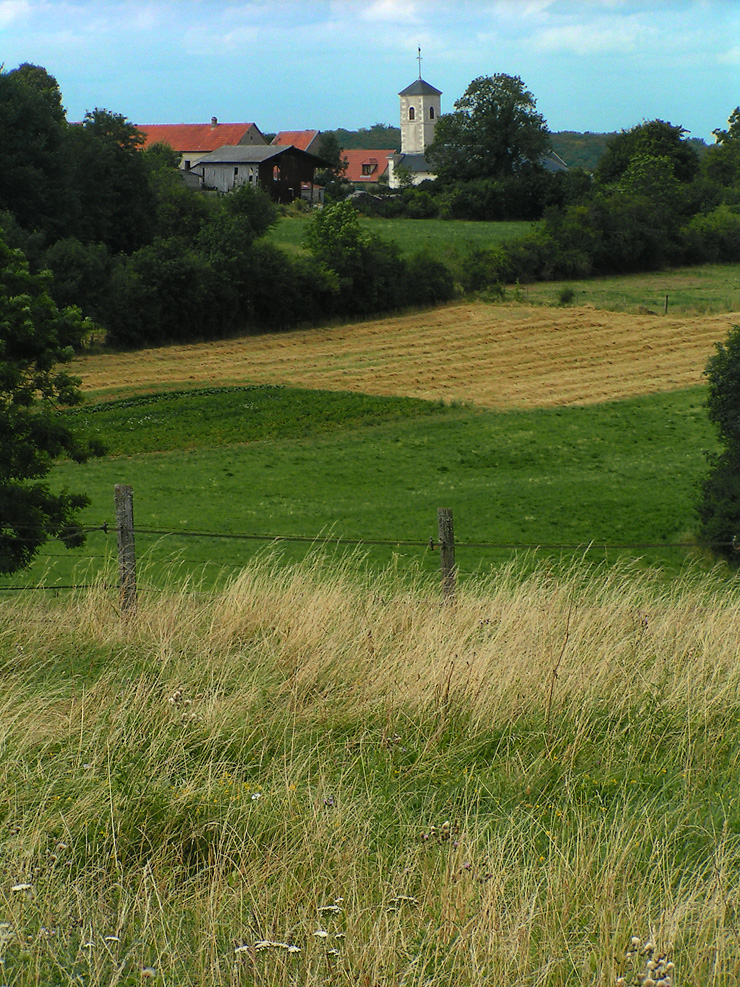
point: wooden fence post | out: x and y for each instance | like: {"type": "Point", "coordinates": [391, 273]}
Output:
{"type": "Point", "coordinates": [447, 553]}
{"type": "Point", "coordinates": [124, 499]}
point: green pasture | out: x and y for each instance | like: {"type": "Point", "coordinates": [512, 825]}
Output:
{"type": "Point", "coordinates": [698, 290]}
{"type": "Point", "coordinates": [281, 463]}
{"type": "Point", "coordinates": [445, 239]}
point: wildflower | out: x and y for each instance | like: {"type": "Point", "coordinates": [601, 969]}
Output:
{"type": "Point", "coordinates": [148, 972]}
{"type": "Point", "coordinates": [22, 887]}
{"type": "Point", "coordinates": [244, 948]}
{"type": "Point", "coordinates": [112, 939]}
{"type": "Point", "coordinates": [256, 795]}
{"type": "Point", "coordinates": [321, 933]}
{"type": "Point", "coordinates": [330, 908]}
{"type": "Point", "coordinates": [332, 952]}
{"type": "Point", "coordinates": [294, 949]}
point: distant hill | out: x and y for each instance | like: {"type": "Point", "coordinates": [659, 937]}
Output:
{"type": "Point", "coordinates": [578, 150]}
{"type": "Point", "coordinates": [380, 135]}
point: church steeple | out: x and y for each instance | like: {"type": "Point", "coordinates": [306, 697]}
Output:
{"type": "Point", "coordinates": [421, 105]}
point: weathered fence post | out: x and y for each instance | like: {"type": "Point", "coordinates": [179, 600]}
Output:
{"type": "Point", "coordinates": [447, 553]}
{"type": "Point", "coordinates": [124, 498]}
{"type": "Point", "coordinates": [665, 310]}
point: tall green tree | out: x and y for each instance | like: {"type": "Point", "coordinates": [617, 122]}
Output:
{"type": "Point", "coordinates": [650, 139]}
{"type": "Point", "coordinates": [495, 131]}
{"type": "Point", "coordinates": [35, 159]}
{"type": "Point", "coordinates": [36, 340]}
{"type": "Point", "coordinates": [113, 179]}
{"type": "Point", "coordinates": [719, 501]}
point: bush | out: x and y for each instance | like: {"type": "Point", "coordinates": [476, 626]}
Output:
{"type": "Point", "coordinates": [428, 281]}
{"type": "Point", "coordinates": [719, 501]}
{"type": "Point", "coordinates": [81, 276]}
{"type": "Point", "coordinates": [714, 237]}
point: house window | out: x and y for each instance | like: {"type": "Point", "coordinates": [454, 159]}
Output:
{"type": "Point", "coordinates": [186, 165]}
{"type": "Point", "coordinates": [412, 113]}
{"type": "Point", "coordinates": [236, 172]}
{"type": "Point", "coordinates": [368, 167]}
{"type": "Point", "coordinates": [431, 112]}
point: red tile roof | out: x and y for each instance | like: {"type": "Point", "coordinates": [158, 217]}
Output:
{"type": "Point", "coordinates": [195, 136]}
{"type": "Point", "coordinates": [375, 161]}
{"type": "Point", "coordinates": [301, 139]}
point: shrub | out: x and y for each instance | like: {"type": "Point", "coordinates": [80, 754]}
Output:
{"type": "Point", "coordinates": [714, 237]}
{"type": "Point", "coordinates": [719, 501]}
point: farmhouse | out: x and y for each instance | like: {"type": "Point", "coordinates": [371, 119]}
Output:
{"type": "Point", "coordinates": [193, 141]}
{"type": "Point", "coordinates": [366, 166]}
{"type": "Point", "coordinates": [281, 171]}
{"type": "Point", "coordinates": [305, 140]}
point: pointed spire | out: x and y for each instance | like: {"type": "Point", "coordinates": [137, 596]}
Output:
{"type": "Point", "coordinates": [418, 58]}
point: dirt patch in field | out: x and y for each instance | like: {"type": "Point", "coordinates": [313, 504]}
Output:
{"type": "Point", "coordinates": [496, 356]}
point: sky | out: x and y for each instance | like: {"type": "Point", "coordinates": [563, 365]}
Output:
{"type": "Point", "coordinates": [596, 65]}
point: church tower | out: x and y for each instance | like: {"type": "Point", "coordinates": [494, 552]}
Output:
{"type": "Point", "coordinates": [421, 105]}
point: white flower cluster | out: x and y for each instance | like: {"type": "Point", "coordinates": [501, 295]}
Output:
{"type": "Point", "coordinates": [648, 968]}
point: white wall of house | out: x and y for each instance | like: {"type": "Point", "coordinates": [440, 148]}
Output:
{"type": "Point", "coordinates": [417, 177]}
{"type": "Point", "coordinates": [225, 177]}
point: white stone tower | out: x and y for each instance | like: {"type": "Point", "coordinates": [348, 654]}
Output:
{"type": "Point", "coordinates": [421, 105]}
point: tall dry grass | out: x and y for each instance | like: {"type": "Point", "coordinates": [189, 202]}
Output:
{"type": "Point", "coordinates": [504, 791]}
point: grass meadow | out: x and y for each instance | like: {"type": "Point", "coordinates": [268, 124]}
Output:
{"type": "Point", "coordinates": [309, 778]}
{"type": "Point", "coordinates": [447, 240]}
{"type": "Point", "coordinates": [298, 465]}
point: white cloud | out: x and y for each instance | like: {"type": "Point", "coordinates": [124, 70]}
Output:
{"type": "Point", "coordinates": [390, 11]}
{"type": "Point", "coordinates": [730, 57]}
{"type": "Point", "coordinates": [587, 39]}
{"type": "Point", "coordinates": [14, 11]}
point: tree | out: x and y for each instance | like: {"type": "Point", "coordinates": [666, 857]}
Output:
{"type": "Point", "coordinates": [113, 181]}
{"type": "Point", "coordinates": [651, 139]}
{"type": "Point", "coordinates": [494, 132]}
{"type": "Point", "coordinates": [719, 501]}
{"type": "Point", "coordinates": [35, 160]}
{"type": "Point", "coordinates": [35, 338]}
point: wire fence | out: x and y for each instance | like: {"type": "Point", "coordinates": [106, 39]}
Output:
{"type": "Point", "coordinates": [442, 542]}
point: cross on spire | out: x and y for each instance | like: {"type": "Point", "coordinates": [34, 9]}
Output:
{"type": "Point", "coordinates": [418, 58]}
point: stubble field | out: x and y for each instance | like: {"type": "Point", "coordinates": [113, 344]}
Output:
{"type": "Point", "coordinates": [501, 356]}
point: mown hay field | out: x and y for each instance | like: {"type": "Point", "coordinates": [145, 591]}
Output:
{"type": "Point", "coordinates": [494, 356]}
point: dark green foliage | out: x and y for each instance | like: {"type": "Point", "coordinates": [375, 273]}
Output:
{"type": "Point", "coordinates": [652, 139]}
{"type": "Point", "coordinates": [371, 274]}
{"type": "Point", "coordinates": [719, 502]}
{"type": "Point", "coordinates": [714, 237]}
{"type": "Point", "coordinates": [330, 150]}
{"type": "Point", "coordinates": [35, 164]}
{"type": "Point", "coordinates": [379, 136]}
{"type": "Point", "coordinates": [120, 205]}
{"type": "Point", "coordinates": [81, 275]}
{"type": "Point", "coordinates": [35, 338]}
{"type": "Point", "coordinates": [494, 132]}
{"type": "Point", "coordinates": [163, 292]}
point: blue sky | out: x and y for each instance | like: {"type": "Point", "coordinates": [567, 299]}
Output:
{"type": "Point", "coordinates": [598, 65]}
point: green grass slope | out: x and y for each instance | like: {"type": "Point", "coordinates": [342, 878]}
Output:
{"type": "Point", "coordinates": [283, 463]}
